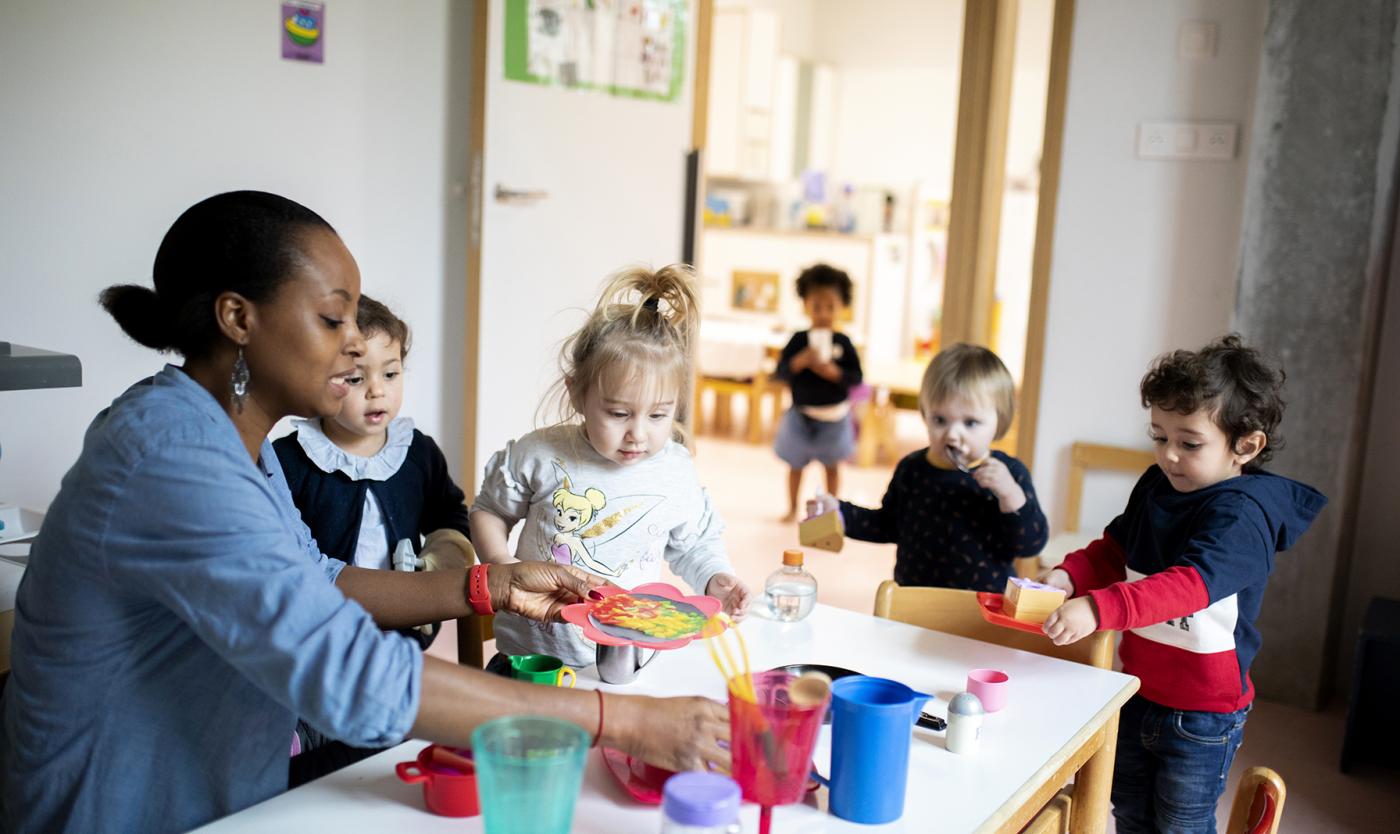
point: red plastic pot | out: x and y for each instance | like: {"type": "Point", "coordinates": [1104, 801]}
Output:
{"type": "Point", "coordinates": [448, 792]}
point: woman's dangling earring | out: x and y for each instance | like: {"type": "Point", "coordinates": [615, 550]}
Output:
{"type": "Point", "coordinates": [238, 383]}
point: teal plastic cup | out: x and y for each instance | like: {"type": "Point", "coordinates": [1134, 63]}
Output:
{"type": "Point", "coordinates": [529, 770]}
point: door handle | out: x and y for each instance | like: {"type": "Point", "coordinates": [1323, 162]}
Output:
{"type": "Point", "coordinates": [523, 197]}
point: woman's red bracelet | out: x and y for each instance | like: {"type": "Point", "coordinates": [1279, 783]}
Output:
{"type": "Point", "coordinates": [478, 594]}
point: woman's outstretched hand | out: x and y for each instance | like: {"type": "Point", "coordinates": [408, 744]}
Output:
{"type": "Point", "coordinates": [538, 590]}
{"type": "Point", "coordinates": [672, 733]}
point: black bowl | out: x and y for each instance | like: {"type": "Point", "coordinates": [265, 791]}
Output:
{"type": "Point", "coordinates": [833, 672]}
{"type": "Point", "coordinates": [800, 669]}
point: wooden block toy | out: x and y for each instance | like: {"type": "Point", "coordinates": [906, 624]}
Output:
{"type": "Point", "coordinates": [1030, 601]}
{"type": "Point", "coordinates": [824, 532]}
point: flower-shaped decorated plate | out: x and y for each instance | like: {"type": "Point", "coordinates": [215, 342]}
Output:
{"type": "Point", "coordinates": [651, 616]}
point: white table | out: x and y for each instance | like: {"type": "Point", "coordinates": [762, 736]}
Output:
{"type": "Point", "coordinates": [1055, 712]}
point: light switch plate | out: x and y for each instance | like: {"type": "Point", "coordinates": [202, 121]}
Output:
{"type": "Point", "coordinates": [1214, 141]}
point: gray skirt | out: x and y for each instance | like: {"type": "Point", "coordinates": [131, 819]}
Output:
{"type": "Point", "coordinates": [802, 439]}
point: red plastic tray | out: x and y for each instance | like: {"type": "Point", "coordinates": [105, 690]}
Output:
{"type": "Point", "coordinates": [990, 604]}
{"type": "Point", "coordinates": [642, 781]}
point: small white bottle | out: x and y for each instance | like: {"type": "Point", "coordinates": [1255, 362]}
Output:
{"type": "Point", "coordinates": [790, 590]}
{"type": "Point", "coordinates": [964, 723]}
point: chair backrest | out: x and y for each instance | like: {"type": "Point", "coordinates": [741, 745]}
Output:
{"type": "Point", "coordinates": [473, 632]}
{"type": "Point", "coordinates": [1258, 804]}
{"type": "Point", "coordinates": [956, 612]}
{"type": "Point", "coordinates": [1086, 456]}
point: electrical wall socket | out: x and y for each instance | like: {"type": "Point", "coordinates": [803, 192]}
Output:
{"type": "Point", "coordinates": [1187, 140]}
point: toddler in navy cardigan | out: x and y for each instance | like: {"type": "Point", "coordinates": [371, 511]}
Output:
{"type": "Point", "coordinates": [374, 490]}
{"type": "Point", "coordinates": [958, 512]}
{"type": "Point", "coordinates": [367, 480]}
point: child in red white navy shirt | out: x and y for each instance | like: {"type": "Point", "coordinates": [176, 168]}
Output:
{"type": "Point", "coordinates": [1182, 573]}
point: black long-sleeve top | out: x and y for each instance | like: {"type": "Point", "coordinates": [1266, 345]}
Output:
{"type": "Point", "coordinates": [811, 388]}
{"type": "Point", "coordinates": [948, 531]}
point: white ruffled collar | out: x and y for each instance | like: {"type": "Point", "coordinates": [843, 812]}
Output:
{"type": "Point", "coordinates": [330, 458]}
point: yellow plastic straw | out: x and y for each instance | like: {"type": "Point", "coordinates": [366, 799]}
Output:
{"type": "Point", "coordinates": [737, 675]}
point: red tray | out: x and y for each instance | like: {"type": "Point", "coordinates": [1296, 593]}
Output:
{"type": "Point", "coordinates": [642, 781]}
{"type": "Point", "coordinates": [990, 605]}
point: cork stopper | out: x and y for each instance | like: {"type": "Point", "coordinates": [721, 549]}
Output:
{"type": "Point", "coordinates": [792, 558]}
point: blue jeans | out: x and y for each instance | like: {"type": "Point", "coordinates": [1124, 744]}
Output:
{"type": "Point", "coordinates": [1171, 766]}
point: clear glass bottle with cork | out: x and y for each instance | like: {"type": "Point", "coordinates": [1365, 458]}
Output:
{"type": "Point", "coordinates": [790, 590]}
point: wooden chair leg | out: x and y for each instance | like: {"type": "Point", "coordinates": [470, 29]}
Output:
{"type": "Point", "coordinates": [723, 416]}
{"type": "Point", "coordinates": [1088, 813]}
{"type": "Point", "coordinates": [755, 416]}
{"type": "Point", "coordinates": [472, 632]}
{"type": "Point", "coordinates": [868, 443]}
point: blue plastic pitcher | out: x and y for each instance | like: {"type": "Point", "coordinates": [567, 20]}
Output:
{"type": "Point", "coordinates": [872, 720]}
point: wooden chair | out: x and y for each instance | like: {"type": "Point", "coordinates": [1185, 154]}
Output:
{"type": "Point", "coordinates": [1258, 803]}
{"type": "Point", "coordinates": [1086, 456]}
{"type": "Point", "coordinates": [754, 389]}
{"type": "Point", "coordinates": [472, 634]}
{"type": "Point", "coordinates": [956, 612]}
{"type": "Point", "coordinates": [1085, 807]}
{"type": "Point", "coordinates": [1082, 458]}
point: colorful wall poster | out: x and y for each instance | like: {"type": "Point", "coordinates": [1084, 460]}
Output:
{"type": "Point", "coordinates": [303, 28]}
{"type": "Point", "coordinates": [632, 48]}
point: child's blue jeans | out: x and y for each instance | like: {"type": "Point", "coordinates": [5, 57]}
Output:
{"type": "Point", "coordinates": [1171, 766]}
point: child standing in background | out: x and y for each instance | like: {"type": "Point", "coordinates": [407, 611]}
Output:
{"type": "Point", "coordinates": [820, 366]}
{"type": "Point", "coordinates": [1182, 573]}
{"type": "Point", "coordinates": [610, 489]}
{"type": "Point", "coordinates": [959, 513]}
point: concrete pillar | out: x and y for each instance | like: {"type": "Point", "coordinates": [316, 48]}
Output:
{"type": "Point", "coordinates": [1319, 202]}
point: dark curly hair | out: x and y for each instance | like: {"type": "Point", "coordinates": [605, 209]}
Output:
{"type": "Point", "coordinates": [825, 276]}
{"type": "Point", "coordinates": [374, 318]}
{"type": "Point", "coordinates": [1236, 383]}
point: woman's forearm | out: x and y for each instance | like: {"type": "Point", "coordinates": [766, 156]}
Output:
{"type": "Point", "coordinates": [456, 699]}
{"type": "Point", "coordinates": [397, 599]}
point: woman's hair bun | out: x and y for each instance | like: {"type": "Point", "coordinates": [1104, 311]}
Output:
{"type": "Point", "coordinates": [141, 315]}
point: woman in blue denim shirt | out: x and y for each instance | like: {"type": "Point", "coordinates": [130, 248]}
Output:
{"type": "Point", "coordinates": [176, 616]}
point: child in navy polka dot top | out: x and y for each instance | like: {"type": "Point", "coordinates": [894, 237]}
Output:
{"type": "Point", "coordinates": [957, 512]}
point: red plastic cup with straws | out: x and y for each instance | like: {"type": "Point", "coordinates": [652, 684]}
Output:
{"type": "Point", "coordinates": [773, 725]}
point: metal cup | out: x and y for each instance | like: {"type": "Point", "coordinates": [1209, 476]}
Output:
{"type": "Point", "coordinates": [620, 664]}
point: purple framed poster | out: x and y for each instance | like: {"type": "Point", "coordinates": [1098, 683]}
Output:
{"type": "Point", "coordinates": [303, 28]}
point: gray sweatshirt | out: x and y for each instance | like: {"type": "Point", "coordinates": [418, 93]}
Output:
{"type": "Point", "coordinates": [581, 509]}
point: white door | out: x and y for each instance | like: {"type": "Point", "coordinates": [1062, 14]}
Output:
{"type": "Point", "coordinates": [603, 182]}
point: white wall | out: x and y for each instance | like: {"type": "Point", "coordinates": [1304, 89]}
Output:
{"type": "Point", "coordinates": [1145, 253]}
{"type": "Point", "coordinates": [615, 197]}
{"type": "Point", "coordinates": [119, 116]}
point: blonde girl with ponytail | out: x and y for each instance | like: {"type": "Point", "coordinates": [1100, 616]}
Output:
{"type": "Point", "coordinates": [616, 431]}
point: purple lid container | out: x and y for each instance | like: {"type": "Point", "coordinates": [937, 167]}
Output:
{"type": "Point", "coordinates": [701, 799]}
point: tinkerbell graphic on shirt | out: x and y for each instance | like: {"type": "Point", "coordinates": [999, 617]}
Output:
{"type": "Point", "coordinates": [584, 529]}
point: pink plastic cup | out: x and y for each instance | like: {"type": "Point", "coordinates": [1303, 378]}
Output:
{"type": "Point", "coordinates": [990, 686]}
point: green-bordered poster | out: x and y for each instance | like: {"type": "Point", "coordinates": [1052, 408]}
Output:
{"type": "Point", "coordinates": [633, 48]}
